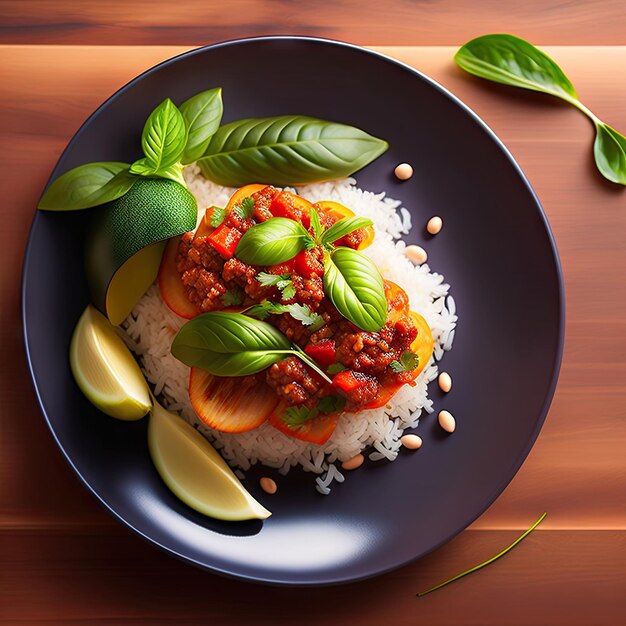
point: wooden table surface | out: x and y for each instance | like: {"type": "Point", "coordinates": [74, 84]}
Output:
{"type": "Point", "coordinates": [65, 560]}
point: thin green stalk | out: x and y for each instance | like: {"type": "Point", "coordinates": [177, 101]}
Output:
{"type": "Point", "coordinates": [297, 351]}
{"type": "Point", "coordinates": [491, 560]}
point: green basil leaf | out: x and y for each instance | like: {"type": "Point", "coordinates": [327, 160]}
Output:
{"type": "Point", "coordinates": [355, 286]}
{"type": "Point", "coordinates": [609, 151]}
{"type": "Point", "coordinates": [229, 344]}
{"type": "Point", "coordinates": [86, 186]}
{"type": "Point", "coordinates": [240, 363]}
{"type": "Point", "coordinates": [287, 150]}
{"type": "Point", "coordinates": [202, 113]}
{"type": "Point", "coordinates": [512, 61]}
{"type": "Point", "coordinates": [275, 241]}
{"type": "Point", "coordinates": [163, 139]}
{"type": "Point", "coordinates": [344, 227]}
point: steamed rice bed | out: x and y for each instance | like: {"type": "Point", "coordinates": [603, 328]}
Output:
{"type": "Point", "coordinates": [152, 326]}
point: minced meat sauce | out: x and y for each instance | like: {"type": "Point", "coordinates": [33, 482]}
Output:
{"type": "Point", "coordinates": [216, 280]}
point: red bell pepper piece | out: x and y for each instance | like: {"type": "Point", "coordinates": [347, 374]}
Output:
{"type": "Point", "coordinates": [323, 352]}
{"type": "Point", "coordinates": [306, 264]}
{"type": "Point", "coordinates": [348, 381]}
{"type": "Point", "coordinates": [287, 204]}
{"type": "Point", "coordinates": [225, 239]}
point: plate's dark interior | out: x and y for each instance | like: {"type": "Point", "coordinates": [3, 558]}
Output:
{"type": "Point", "coordinates": [495, 250]}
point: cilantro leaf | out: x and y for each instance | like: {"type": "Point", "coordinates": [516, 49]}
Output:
{"type": "Point", "coordinates": [408, 362]}
{"type": "Point", "coordinates": [280, 281]}
{"type": "Point", "coordinates": [295, 416]}
{"type": "Point", "coordinates": [217, 216]}
{"type": "Point", "coordinates": [303, 313]}
{"type": "Point", "coordinates": [245, 208]}
{"type": "Point", "coordinates": [331, 404]}
{"type": "Point", "coordinates": [233, 297]}
{"type": "Point", "coordinates": [335, 368]}
{"type": "Point", "coordinates": [300, 312]}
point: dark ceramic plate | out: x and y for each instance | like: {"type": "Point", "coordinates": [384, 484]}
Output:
{"type": "Point", "coordinates": [496, 250]}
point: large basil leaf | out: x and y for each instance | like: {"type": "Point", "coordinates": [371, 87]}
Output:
{"type": "Point", "coordinates": [355, 286]}
{"type": "Point", "coordinates": [88, 185]}
{"type": "Point", "coordinates": [163, 139]}
{"type": "Point", "coordinates": [287, 150]}
{"type": "Point", "coordinates": [609, 151]}
{"type": "Point", "coordinates": [275, 241]}
{"type": "Point", "coordinates": [229, 344]}
{"type": "Point", "coordinates": [512, 61]}
{"type": "Point", "coordinates": [202, 113]}
{"type": "Point", "coordinates": [344, 227]}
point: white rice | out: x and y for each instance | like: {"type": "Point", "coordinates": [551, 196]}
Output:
{"type": "Point", "coordinates": [152, 325]}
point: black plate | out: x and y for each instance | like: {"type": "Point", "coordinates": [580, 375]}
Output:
{"type": "Point", "coordinates": [496, 250]}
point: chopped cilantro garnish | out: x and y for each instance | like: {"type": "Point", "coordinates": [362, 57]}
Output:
{"type": "Point", "coordinates": [408, 362]}
{"type": "Point", "coordinates": [280, 281]}
{"type": "Point", "coordinates": [335, 368]}
{"type": "Point", "coordinates": [300, 312]}
{"type": "Point", "coordinates": [296, 416]}
{"type": "Point", "coordinates": [245, 208]}
{"type": "Point", "coordinates": [233, 297]}
{"type": "Point", "coordinates": [217, 216]}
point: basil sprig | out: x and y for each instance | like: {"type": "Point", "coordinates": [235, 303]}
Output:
{"type": "Point", "coordinates": [232, 344]}
{"type": "Point", "coordinates": [287, 150]}
{"type": "Point", "coordinates": [88, 185]}
{"type": "Point", "coordinates": [202, 113]}
{"type": "Point", "coordinates": [344, 227]}
{"type": "Point", "coordinates": [355, 286]}
{"type": "Point", "coordinates": [162, 141]}
{"type": "Point", "coordinates": [512, 61]}
{"type": "Point", "coordinates": [272, 242]}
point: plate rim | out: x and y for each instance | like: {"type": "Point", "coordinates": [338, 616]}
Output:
{"type": "Point", "coordinates": [556, 365]}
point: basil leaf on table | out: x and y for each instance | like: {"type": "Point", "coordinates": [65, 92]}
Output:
{"type": "Point", "coordinates": [344, 227]}
{"type": "Point", "coordinates": [286, 150]}
{"type": "Point", "coordinates": [202, 114]}
{"type": "Point", "coordinates": [355, 286]}
{"type": "Point", "coordinates": [513, 61]}
{"type": "Point", "coordinates": [163, 140]}
{"type": "Point", "coordinates": [275, 241]}
{"type": "Point", "coordinates": [87, 186]}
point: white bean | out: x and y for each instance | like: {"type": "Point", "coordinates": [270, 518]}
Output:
{"type": "Point", "coordinates": [403, 171]}
{"type": "Point", "coordinates": [412, 442]}
{"type": "Point", "coordinates": [445, 382]}
{"type": "Point", "coordinates": [435, 224]}
{"type": "Point", "coordinates": [353, 463]}
{"type": "Point", "coordinates": [447, 421]}
{"type": "Point", "coordinates": [268, 485]}
{"type": "Point", "coordinates": [417, 254]}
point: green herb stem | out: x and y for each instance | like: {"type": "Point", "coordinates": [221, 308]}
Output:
{"type": "Point", "coordinates": [488, 562]}
{"type": "Point", "coordinates": [297, 351]}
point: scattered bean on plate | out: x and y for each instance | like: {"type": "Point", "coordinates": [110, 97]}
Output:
{"type": "Point", "coordinates": [412, 442]}
{"type": "Point", "coordinates": [447, 421]}
{"type": "Point", "coordinates": [403, 171]}
{"type": "Point", "coordinates": [434, 225]}
{"type": "Point", "coordinates": [268, 485]}
{"type": "Point", "coordinates": [445, 382]}
{"type": "Point", "coordinates": [417, 254]}
{"type": "Point", "coordinates": [353, 463]}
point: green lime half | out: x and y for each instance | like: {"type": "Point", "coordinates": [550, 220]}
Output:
{"type": "Point", "coordinates": [195, 472]}
{"type": "Point", "coordinates": [105, 370]}
{"type": "Point", "coordinates": [127, 238]}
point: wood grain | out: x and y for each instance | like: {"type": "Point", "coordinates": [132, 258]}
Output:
{"type": "Point", "coordinates": [381, 22]}
{"type": "Point", "coordinates": [66, 561]}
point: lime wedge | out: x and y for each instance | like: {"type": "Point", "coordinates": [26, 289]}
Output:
{"type": "Point", "coordinates": [105, 370]}
{"type": "Point", "coordinates": [195, 472]}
